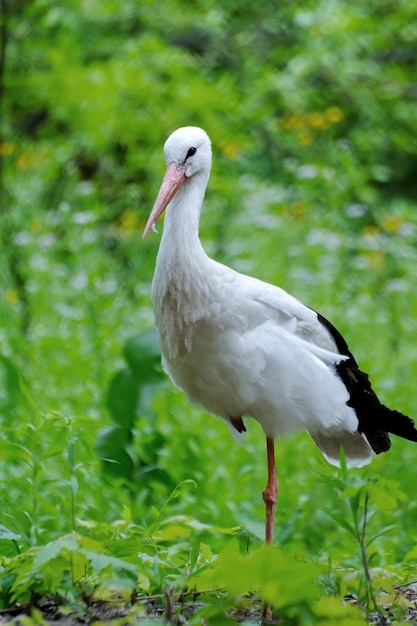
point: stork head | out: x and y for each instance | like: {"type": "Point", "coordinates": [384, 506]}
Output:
{"type": "Point", "coordinates": [190, 149]}
{"type": "Point", "coordinates": [188, 153]}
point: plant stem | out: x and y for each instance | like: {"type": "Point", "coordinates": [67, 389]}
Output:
{"type": "Point", "coordinates": [361, 533]}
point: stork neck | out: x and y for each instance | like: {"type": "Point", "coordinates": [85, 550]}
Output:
{"type": "Point", "coordinates": [182, 219]}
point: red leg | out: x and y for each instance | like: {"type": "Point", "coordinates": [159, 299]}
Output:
{"type": "Point", "coordinates": [271, 491]}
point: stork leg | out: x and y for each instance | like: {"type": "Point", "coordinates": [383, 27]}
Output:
{"type": "Point", "coordinates": [270, 492]}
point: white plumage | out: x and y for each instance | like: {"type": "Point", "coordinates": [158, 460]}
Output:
{"type": "Point", "coordinates": [241, 347]}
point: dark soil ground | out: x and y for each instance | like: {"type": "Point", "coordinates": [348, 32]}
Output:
{"type": "Point", "coordinates": [48, 612]}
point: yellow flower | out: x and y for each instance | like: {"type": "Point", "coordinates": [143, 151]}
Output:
{"type": "Point", "coordinates": [35, 225]}
{"type": "Point", "coordinates": [11, 296]}
{"type": "Point", "coordinates": [318, 120]}
{"type": "Point", "coordinates": [24, 162]}
{"type": "Point", "coordinates": [6, 148]}
{"type": "Point", "coordinates": [305, 137]}
{"type": "Point", "coordinates": [334, 115]}
{"type": "Point", "coordinates": [297, 209]}
{"type": "Point", "coordinates": [376, 259]}
{"type": "Point", "coordinates": [391, 223]}
{"type": "Point", "coordinates": [128, 223]}
{"type": "Point", "coordinates": [370, 231]}
{"type": "Point", "coordinates": [231, 149]}
{"type": "Point", "coordinates": [296, 121]}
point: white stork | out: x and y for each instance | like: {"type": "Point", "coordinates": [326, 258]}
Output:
{"type": "Point", "coordinates": [241, 347]}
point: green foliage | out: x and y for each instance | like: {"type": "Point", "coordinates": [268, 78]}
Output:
{"type": "Point", "coordinates": [64, 565]}
{"type": "Point", "coordinates": [109, 479]}
{"type": "Point", "coordinates": [283, 582]}
{"type": "Point", "coordinates": [129, 402]}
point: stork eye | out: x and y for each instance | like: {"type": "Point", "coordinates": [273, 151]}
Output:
{"type": "Point", "coordinates": [191, 152]}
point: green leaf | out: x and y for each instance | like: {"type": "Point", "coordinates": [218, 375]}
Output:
{"type": "Point", "coordinates": [124, 548]}
{"type": "Point", "coordinates": [143, 356]}
{"type": "Point", "coordinates": [279, 579]}
{"type": "Point", "coordinates": [8, 548]}
{"type": "Point", "coordinates": [111, 447]}
{"type": "Point", "coordinates": [49, 552]}
{"type": "Point", "coordinates": [335, 611]}
{"type": "Point", "coordinates": [343, 522]}
{"type": "Point", "coordinates": [122, 574]}
{"type": "Point", "coordinates": [11, 383]}
{"type": "Point", "coordinates": [122, 398]}
{"type": "Point", "coordinates": [6, 533]}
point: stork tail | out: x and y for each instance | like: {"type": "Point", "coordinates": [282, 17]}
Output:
{"type": "Point", "coordinates": [376, 420]}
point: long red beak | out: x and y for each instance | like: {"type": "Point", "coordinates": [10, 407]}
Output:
{"type": "Point", "coordinates": [173, 179]}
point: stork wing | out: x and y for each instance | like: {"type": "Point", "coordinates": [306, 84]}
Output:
{"type": "Point", "coordinates": [300, 320]}
{"type": "Point", "coordinates": [375, 419]}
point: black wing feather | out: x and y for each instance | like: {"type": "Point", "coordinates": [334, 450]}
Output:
{"type": "Point", "coordinates": [375, 419]}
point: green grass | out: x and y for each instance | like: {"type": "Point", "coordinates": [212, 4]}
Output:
{"type": "Point", "coordinates": [72, 525]}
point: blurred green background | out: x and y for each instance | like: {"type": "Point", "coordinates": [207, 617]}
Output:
{"type": "Point", "coordinates": [311, 108]}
